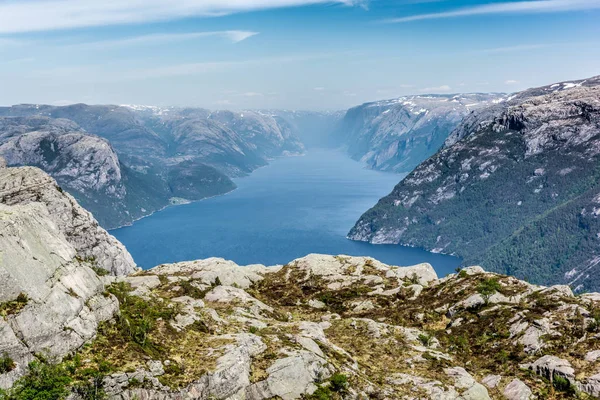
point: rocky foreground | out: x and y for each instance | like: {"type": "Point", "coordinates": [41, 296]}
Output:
{"type": "Point", "coordinates": [320, 327]}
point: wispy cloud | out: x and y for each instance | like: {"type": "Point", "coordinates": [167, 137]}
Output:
{"type": "Point", "coordinates": [233, 36]}
{"type": "Point", "coordinates": [43, 15]}
{"type": "Point", "coordinates": [122, 72]}
{"type": "Point", "coordinates": [511, 82]}
{"type": "Point", "coordinates": [437, 89]}
{"type": "Point", "coordinates": [517, 7]}
{"type": "Point", "coordinates": [523, 47]}
{"type": "Point", "coordinates": [17, 61]}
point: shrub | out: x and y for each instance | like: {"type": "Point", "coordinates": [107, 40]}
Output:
{"type": "Point", "coordinates": [6, 364]}
{"type": "Point", "coordinates": [44, 382]}
{"type": "Point", "coordinates": [100, 271]}
{"type": "Point", "coordinates": [339, 382]}
{"type": "Point", "coordinates": [425, 339]}
{"type": "Point", "coordinates": [488, 287]}
{"type": "Point", "coordinates": [138, 317]}
{"type": "Point", "coordinates": [563, 385]}
{"type": "Point", "coordinates": [14, 306]}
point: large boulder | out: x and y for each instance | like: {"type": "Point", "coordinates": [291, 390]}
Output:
{"type": "Point", "coordinates": [91, 242]}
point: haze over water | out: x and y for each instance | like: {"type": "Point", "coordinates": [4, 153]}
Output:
{"type": "Point", "coordinates": [293, 207]}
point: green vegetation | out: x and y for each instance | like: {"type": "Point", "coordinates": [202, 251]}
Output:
{"type": "Point", "coordinates": [44, 382]}
{"type": "Point", "coordinates": [100, 271]}
{"type": "Point", "coordinates": [6, 364]}
{"type": "Point", "coordinates": [334, 388]}
{"type": "Point", "coordinates": [14, 306]}
{"type": "Point", "coordinates": [488, 288]}
{"type": "Point", "coordinates": [425, 339]}
{"type": "Point", "coordinates": [563, 385]}
{"type": "Point", "coordinates": [138, 317]}
{"type": "Point", "coordinates": [516, 221]}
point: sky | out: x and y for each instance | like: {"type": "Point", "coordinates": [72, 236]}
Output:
{"type": "Point", "coordinates": [287, 54]}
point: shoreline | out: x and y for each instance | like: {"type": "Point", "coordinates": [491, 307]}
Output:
{"type": "Point", "coordinates": [209, 197]}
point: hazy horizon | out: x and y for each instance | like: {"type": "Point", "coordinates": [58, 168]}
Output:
{"type": "Point", "coordinates": [288, 54]}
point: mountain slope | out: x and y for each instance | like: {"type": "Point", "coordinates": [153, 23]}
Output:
{"type": "Point", "coordinates": [396, 135]}
{"type": "Point", "coordinates": [125, 162]}
{"type": "Point", "coordinates": [516, 188]}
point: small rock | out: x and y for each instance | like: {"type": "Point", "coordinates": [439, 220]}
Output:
{"type": "Point", "coordinates": [592, 356]}
{"type": "Point", "coordinates": [156, 368]}
{"type": "Point", "coordinates": [517, 390]}
{"type": "Point", "coordinates": [491, 381]}
{"type": "Point", "coordinates": [316, 304]}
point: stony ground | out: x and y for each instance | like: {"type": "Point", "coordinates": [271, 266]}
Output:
{"type": "Point", "coordinates": [325, 327]}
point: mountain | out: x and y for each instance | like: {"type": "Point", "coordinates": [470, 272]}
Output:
{"type": "Point", "coordinates": [516, 188]}
{"type": "Point", "coordinates": [125, 162]}
{"type": "Point", "coordinates": [397, 135]}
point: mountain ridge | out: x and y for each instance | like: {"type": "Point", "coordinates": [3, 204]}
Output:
{"type": "Point", "coordinates": [508, 178]}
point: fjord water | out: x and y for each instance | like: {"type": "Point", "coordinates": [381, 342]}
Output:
{"type": "Point", "coordinates": [288, 209]}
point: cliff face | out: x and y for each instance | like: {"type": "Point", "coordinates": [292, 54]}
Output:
{"type": "Point", "coordinates": [28, 185]}
{"type": "Point", "coordinates": [515, 189]}
{"type": "Point", "coordinates": [52, 253]}
{"type": "Point", "coordinates": [396, 135]}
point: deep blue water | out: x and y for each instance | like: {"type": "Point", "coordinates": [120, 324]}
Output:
{"type": "Point", "coordinates": [293, 207]}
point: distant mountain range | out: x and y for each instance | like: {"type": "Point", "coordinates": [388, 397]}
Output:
{"type": "Point", "coordinates": [396, 135]}
{"type": "Point", "coordinates": [516, 188]}
{"type": "Point", "coordinates": [125, 162]}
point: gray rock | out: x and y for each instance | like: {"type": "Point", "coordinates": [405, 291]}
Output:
{"type": "Point", "coordinates": [550, 366]}
{"type": "Point", "coordinates": [291, 377]}
{"type": "Point", "coordinates": [517, 390]}
{"type": "Point", "coordinates": [491, 381]}
{"type": "Point", "coordinates": [590, 385]}
{"type": "Point", "coordinates": [26, 185]}
{"type": "Point", "coordinates": [471, 389]}
{"type": "Point", "coordinates": [592, 356]}
{"type": "Point", "coordinates": [65, 297]}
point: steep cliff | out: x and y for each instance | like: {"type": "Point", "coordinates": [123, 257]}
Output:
{"type": "Point", "coordinates": [52, 257]}
{"type": "Point", "coordinates": [397, 135]}
{"type": "Point", "coordinates": [27, 185]}
{"type": "Point", "coordinates": [515, 189]}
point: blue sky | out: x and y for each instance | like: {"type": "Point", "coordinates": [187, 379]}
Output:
{"type": "Point", "coordinates": [294, 54]}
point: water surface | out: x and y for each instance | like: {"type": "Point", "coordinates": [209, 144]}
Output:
{"type": "Point", "coordinates": [291, 208]}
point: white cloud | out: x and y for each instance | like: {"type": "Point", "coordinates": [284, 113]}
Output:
{"type": "Point", "coordinates": [511, 82]}
{"type": "Point", "coordinates": [162, 38]}
{"type": "Point", "coordinates": [43, 15]}
{"type": "Point", "coordinates": [251, 94]}
{"type": "Point", "coordinates": [517, 7]}
{"type": "Point", "coordinates": [438, 89]}
{"type": "Point", "coordinates": [319, 89]}
{"type": "Point", "coordinates": [17, 61]}
{"type": "Point", "coordinates": [523, 47]}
